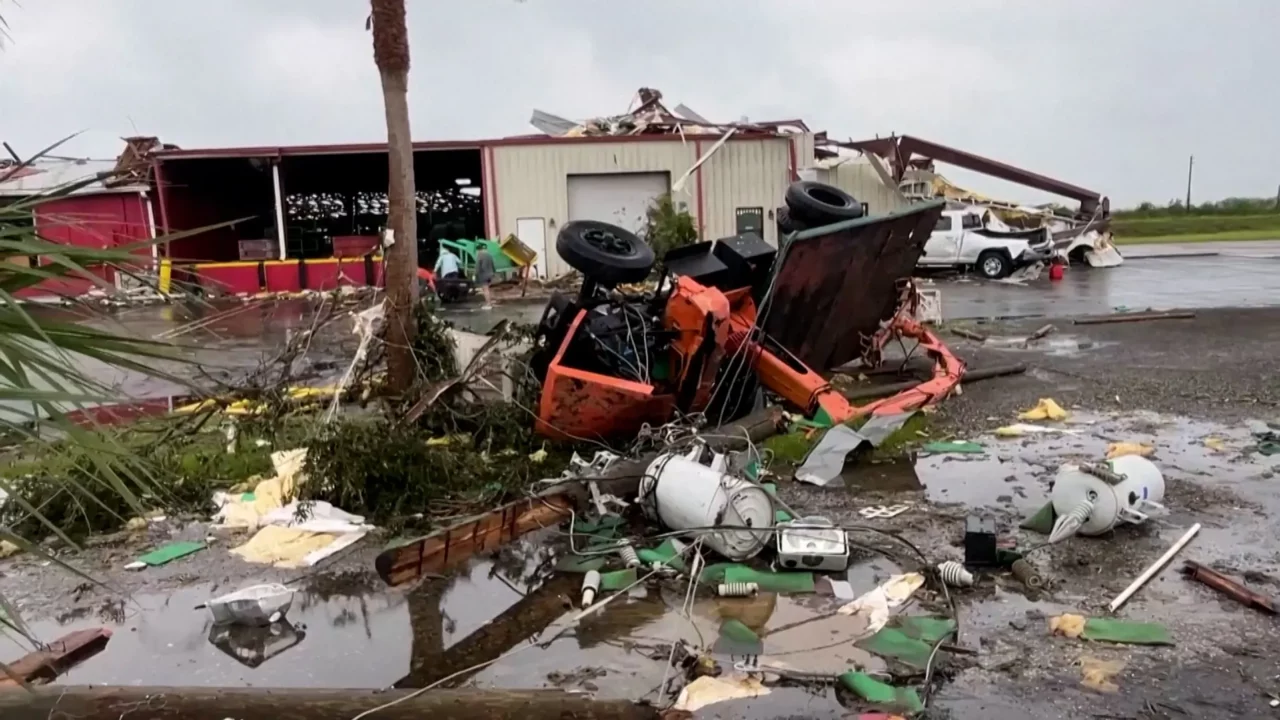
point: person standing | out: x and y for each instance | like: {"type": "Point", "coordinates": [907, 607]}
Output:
{"type": "Point", "coordinates": [484, 275]}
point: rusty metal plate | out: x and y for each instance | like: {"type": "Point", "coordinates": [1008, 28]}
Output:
{"type": "Point", "coordinates": [836, 284]}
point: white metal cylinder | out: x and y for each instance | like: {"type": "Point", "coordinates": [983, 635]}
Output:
{"type": "Point", "coordinates": [1142, 486]}
{"type": "Point", "coordinates": [590, 587]}
{"type": "Point", "coordinates": [737, 589]}
{"type": "Point", "coordinates": [686, 495]}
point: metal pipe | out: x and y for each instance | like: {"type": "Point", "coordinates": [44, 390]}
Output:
{"type": "Point", "coordinates": [1155, 568]}
{"type": "Point", "coordinates": [1228, 587]}
{"type": "Point", "coordinates": [1027, 573]}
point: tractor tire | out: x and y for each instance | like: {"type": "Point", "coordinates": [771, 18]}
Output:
{"type": "Point", "coordinates": [607, 254]}
{"type": "Point", "coordinates": [787, 223]}
{"type": "Point", "coordinates": [817, 204]}
{"type": "Point", "coordinates": [994, 264]}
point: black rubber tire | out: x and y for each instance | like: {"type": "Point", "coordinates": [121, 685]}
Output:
{"type": "Point", "coordinates": [817, 204]}
{"type": "Point", "coordinates": [987, 268]}
{"type": "Point", "coordinates": [787, 223]}
{"type": "Point", "coordinates": [607, 254]}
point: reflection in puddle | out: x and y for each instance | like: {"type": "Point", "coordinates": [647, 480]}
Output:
{"type": "Point", "coordinates": [253, 645]}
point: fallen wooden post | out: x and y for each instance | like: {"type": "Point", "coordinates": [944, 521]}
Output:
{"type": "Point", "coordinates": [969, 376]}
{"type": "Point", "coordinates": [191, 703]}
{"type": "Point", "coordinates": [1133, 317]}
{"type": "Point", "coordinates": [968, 334]}
{"type": "Point", "coordinates": [1043, 331]}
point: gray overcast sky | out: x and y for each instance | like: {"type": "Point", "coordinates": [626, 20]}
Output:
{"type": "Point", "coordinates": [1108, 94]}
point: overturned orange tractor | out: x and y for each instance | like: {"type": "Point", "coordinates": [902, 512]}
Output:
{"type": "Point", "coordinates": [733, 317]}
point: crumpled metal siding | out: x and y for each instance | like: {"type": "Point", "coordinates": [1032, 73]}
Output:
{"type": "Point", "coordinates": [835, 285]}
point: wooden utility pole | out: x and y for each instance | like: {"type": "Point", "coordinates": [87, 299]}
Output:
{"type": "Point", "coordinates": [391, 53]}
{"type": "Point", "coordinates": [1191, 163]}
{"type": "Point", "coordinates": [241, 703]}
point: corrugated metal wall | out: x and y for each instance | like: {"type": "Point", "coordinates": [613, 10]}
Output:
{"type": "Point", "coordinates": [530, 181]}
{"type": "Point", "coordinates": [743, 174]}
{"type": "Point", "coordinates": [859, 179]}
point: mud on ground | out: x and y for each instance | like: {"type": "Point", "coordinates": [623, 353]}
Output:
{"type": "Point", "coordinates": [1169, 383]}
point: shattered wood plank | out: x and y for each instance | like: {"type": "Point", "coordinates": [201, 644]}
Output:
{"type": "Point", "coordinates": [211, 703]}
{"type": "Point", "coordinates": [454, 545]}
{"type": "Point", "coordinates": [42, 666]}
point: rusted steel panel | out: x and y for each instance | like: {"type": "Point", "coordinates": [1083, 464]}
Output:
{"type": "Point", "coordinates": [835, 285]}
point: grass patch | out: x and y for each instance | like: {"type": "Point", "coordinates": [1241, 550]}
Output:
{"type": "Point", "coordinates": [913, 433]}
{"type": "Point", "coordinates": [790, 448]}
{"type": "Point", "coordinates": [176, 464]}
{"type": "Point", "coordinates": [1238, 235]}
{"type": "Point", "coordinates": [1209, 227]}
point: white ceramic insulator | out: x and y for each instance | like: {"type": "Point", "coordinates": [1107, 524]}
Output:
{"type": "Point", "coordinates": [954, 574]}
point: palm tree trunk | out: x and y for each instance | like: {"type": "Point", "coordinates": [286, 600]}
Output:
{"type": "Point", "coordinates": [391, 53]}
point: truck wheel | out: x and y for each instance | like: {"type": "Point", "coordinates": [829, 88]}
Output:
{"type": "Point", "coordinates": [993, 265]}
{"type": "Point", "coordinates": [787, 223]}
{"type": "Point", "coordinates": [605, 253]}
{"type": "Point", "coordinates": [817, 204]}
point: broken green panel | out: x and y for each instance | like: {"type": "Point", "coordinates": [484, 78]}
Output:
{"type": "Point", "coordinates": [769, 581]}
{"type": "Point", "coordinates": [911, 640]}
{"type": "Point", "coordinates": [618, 579]}
{"type": "Point", "coordinates": [882, 694]}
{"type": "Point", "coordinates": [1125, 632]}
{"type": "Point", "coordinates": [954, 446]}
{"type": "Point", "coordinates": [170, 552]}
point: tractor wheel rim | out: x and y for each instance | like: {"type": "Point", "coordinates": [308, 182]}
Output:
{"type": "Point", "coordinates": [991, 266]}
{"type": "Point", "coordinates": [608, 242]}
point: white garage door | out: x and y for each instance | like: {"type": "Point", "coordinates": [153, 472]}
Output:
{"type": "Point", "coordinates": [618, 198]}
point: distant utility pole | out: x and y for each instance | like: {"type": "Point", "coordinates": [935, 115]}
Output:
{"type": "Point", "coordinates": [1191, 163]}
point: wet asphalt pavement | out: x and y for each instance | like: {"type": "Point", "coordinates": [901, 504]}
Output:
{"type": "Point", "coordinates": [1160, 277]}
{"type": "Point", "coordinates": [1172, 384]}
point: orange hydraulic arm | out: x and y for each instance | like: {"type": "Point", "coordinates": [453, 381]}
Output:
{"type": "Point", "coordinates": [785, 375]}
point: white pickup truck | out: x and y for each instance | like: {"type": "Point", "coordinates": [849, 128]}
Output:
{"type": "Point", "coordinates": [963, 239]}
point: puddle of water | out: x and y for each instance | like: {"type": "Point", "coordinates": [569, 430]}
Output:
{"type": "Point", "coordinates": [1056, 345]}
{"type": "Point", "coordinates": [164, 640]}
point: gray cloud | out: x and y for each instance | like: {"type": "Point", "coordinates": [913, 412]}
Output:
{"type": "Point", "coordinates": [1109, 95]}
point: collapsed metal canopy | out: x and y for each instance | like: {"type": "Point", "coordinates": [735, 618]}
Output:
{"type": "Point", "coordinates": [898, 150]}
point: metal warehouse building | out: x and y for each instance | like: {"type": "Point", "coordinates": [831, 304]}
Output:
{"type": "Point", "coordinates": [317, 204]}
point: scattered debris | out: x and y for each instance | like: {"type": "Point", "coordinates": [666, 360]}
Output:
{"type": "Point", "coordinates": [1027, 574]}
{"type": "Point", "coordinates": [968, 334]}
{"type": "Point", "coordinates": [954, 446]}
{"type": "Point", "coordinates": [683, 493]}
{"type": "Point", "coordinates": [882, 694]}
{"type": "Point", "coordinates": [883, 511]}
{"type": "Point", "coordinates": [708, 690]}
{"type": "Point", "coordinates": [812, 543]}
{"type": "Point", "coordinates": [1046, 409]}
{"type": "Point", "coordinates": [1155, 568]}
{"type": "Point", "coordinates": [46, 663]}
{"type": "Point", "coordinates": [1091, 499]}
{"type": "Point", "coordinates": [909, 639]}
{"type": "Point", "coordinates": [1228, 587]}
{"type": "Point", "coordinates": [165, 554]}
{"type": "Point", "coordinates": [1021, 429]}
{"type": "Point", "coordinates": [1133, 317]}
{"type": "Point", "coordinates": [1042, 332]}
{"type": "Point", "coordinates": [1118, 449]}
{"type": "Point", "coordinates": [1109, 630]}
{"type": "Point", "coordinates": [954, 574]}
{"type": "Point", "coordinates": [1096, 674]}
{"type": "Point", "coordinates": [258, 605]}
{"type": "Point", "coordinates": [980, 542]}
{"type": "Point", "coordinates": [875, 604]}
